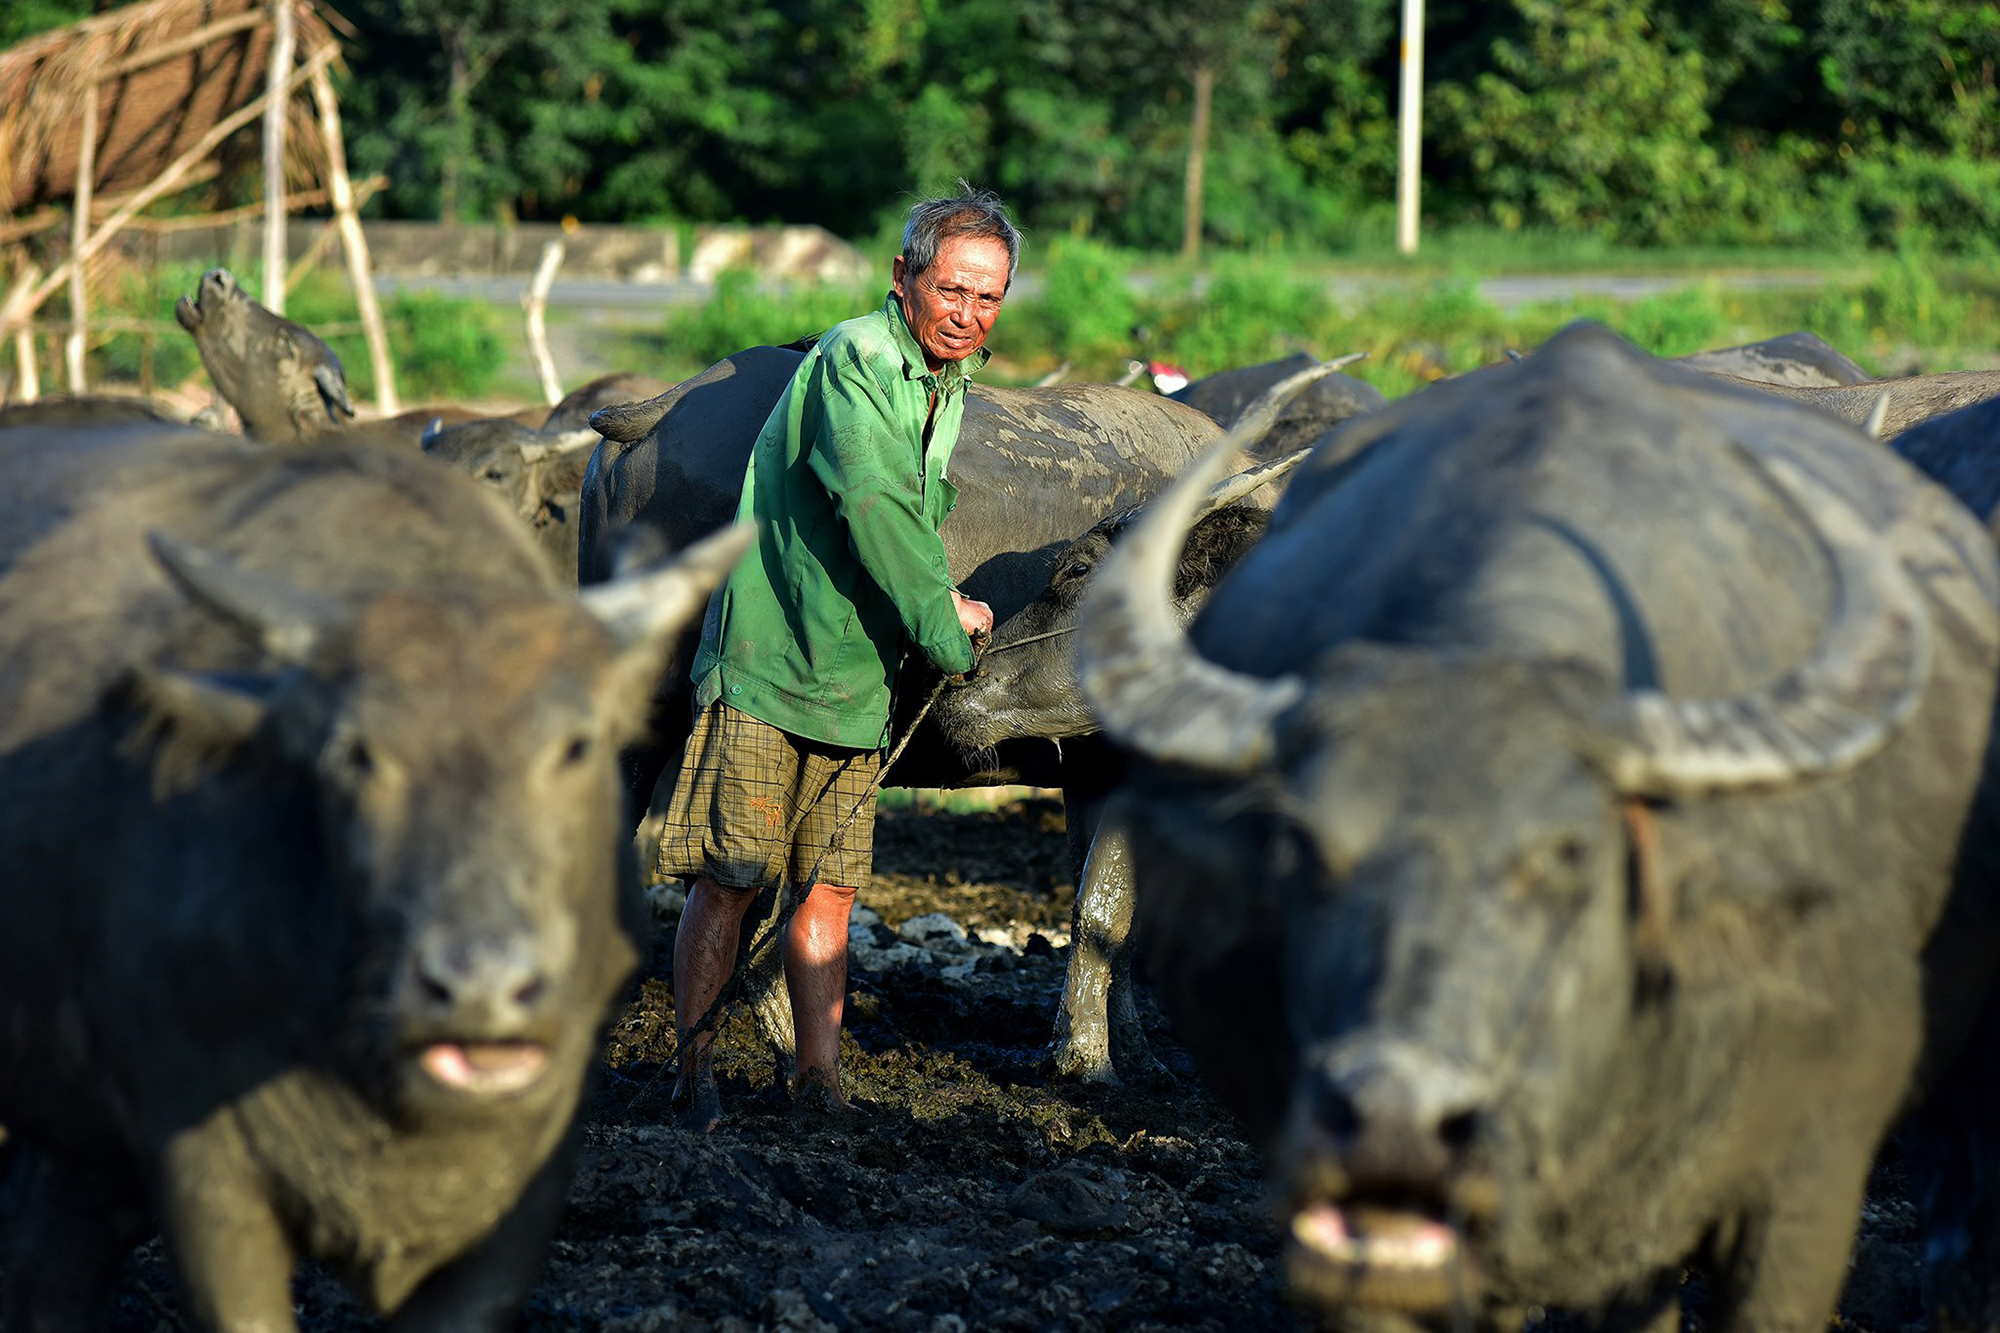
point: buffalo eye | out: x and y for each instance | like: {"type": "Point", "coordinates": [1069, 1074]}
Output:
{"type": "Point", "coordinates": [494, 474]}
{"type": "Point", "coordinates": [576, 751]}
{"type": "Point", "coordinates": [352, 759]}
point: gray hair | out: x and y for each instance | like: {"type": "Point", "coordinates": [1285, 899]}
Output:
{"type": "Point", "coordinates": [970, 212]}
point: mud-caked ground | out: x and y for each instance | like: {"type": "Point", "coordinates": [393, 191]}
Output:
{"type": "Point", "coordinates": [968, 1188]}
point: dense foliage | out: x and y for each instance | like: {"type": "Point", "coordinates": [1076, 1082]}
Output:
{"type": "Point", "coordinates": [1823, 121]}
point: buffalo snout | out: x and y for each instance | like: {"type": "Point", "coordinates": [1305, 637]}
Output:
{"type": "Point", "coordinates": [1392, 1114]}
{"type": "Point", "coordinates": [493, 987]}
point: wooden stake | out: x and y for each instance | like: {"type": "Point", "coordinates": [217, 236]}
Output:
{"type": "Point", "coordinates": [1204, 94]}
{"type": "Point", "coordinates": [284, 43]}
{"type": "Point", "coordinates": [535, 302]}
{"type": "Point", "coordinates": [20, 308]}
{"type": "Point", "coordinates": [27, 380]}
{"type": "Point", "coordinates": [352, 243]}
{"type": "Point", "coordinates": [79, 235]}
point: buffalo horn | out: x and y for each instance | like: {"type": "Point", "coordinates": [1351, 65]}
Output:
{"type": "Point", "coordinates": [1233, 488]}
{"type": "Point", "coordinates": [1878, 416]}
{"type": "Point", "coordinates": [1830, 712]}
{"type": "Point", "coordinates": [569, 441]}
{"type": "Point", "coordinates": [642, 606]}
{"type": "Point", "coordinates": [1142, 677]}
{"type": "Point", "coordinates": [288, 623]}
{"type": "Point", "coordinates": [1289, 388]}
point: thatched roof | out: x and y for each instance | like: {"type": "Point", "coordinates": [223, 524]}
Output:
{"type": "Point", "coordinates": [149, 111]}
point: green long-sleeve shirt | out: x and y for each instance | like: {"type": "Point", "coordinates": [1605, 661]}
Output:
{"type": "Point", "coordinates": [848, 488]}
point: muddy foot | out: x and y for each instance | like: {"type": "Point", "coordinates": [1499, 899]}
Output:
{"type": "Point", "coordinates": [698, 1106]}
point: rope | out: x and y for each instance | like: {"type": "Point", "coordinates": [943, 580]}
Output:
{"type": "Point", "coordinates": [790, 902]}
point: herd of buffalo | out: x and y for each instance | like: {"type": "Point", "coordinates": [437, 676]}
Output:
{"type": "Point", "coordinates": [1559, 811]}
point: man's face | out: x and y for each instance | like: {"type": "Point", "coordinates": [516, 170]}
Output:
{"type": "Point", "coordinates": [952, 305]}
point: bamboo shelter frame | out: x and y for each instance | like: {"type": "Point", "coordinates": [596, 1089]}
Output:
{"type": "Point", "coordinates": [62, 134]}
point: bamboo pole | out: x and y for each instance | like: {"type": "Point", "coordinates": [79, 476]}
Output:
{"type": "Point", "coordinates": [79, 235]}
{"type": "Point", "coordinates": [18, 309]}
{"type": "Point", "coordinates": [27, 380]}
{"type": "Point", "coordinates": [535, 304]}
{"type": "Point", "coordinates": [352, 243]}
{"type": "Point", "coordinates": [284, 44]}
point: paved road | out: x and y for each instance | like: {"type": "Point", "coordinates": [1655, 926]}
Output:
{"type": "Point", "coordinates": [1509, 293]}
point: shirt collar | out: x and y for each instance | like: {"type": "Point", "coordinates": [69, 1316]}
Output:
{"type": "Point", "coordinates": [913, 355]}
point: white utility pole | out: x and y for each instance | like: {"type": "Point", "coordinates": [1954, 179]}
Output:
{"type": "Point", "coordinates": [284, 41]}
{"type": "Point", "coordinates": [1408, 119]}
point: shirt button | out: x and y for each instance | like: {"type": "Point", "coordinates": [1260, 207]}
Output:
{"type": "Point", "coordinates": [736, 689]}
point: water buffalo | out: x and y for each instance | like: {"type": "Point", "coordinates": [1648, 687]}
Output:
{"type": "Point", "coordinates": [539, 473]}
{"type": "Point", "coordinates": [1226, 394]}
{"type": "Point", "coordinates": [1960, 451]}
{"type": "Point", "coordinates": [1909, 401]}
{"type": "Point", "coordinates": [1567, 839]}
{"type": "Point", "coordinates": [1800, 359]}
{"type": "Point", "coordinates": [1026, 688]}
{"type": "Point", "coordinates": [313, 889]}
{"type": "Point", "coordinates": [282, 379]}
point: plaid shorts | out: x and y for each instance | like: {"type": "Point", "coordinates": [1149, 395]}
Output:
{"type": "Point", "coordinates": [743, 783]}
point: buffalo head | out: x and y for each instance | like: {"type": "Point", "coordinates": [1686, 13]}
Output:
{"type": "Point", "coordinates": [459, 746]}
{"type": "Point", "coordinates": [282, 380]}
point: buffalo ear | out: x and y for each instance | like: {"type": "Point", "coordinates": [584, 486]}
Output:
{"type": "Point", "coordinates": [333, 390]}
{"type": "Point", "coordinates": [190, 723]}
{"type": "Point", "coordinates": [645, 611]}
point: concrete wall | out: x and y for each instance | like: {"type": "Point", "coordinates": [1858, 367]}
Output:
{"type": "Point", "coordinates": [637, 254]}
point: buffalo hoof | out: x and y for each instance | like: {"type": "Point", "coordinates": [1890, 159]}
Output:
{"type": "Point", "coordinates": [1082, 1063]}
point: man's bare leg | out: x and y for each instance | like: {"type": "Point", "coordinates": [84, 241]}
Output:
{"type": "Point", "coordinates": [816, 977]}
{"type": "Point", "coordinates": [704, 956]}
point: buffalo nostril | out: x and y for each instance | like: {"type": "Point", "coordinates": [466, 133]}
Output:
{"type": "Point", "coordinates": [435, 991]}
{"type": "Point", "coordinates": [1335, 1113]}
{"type": "Point", "coordinates": [1459, 1130]}
{"type": "Point", "coordinates": [531, 991]}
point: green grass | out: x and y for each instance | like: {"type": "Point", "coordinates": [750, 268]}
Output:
{"type": "Point", "coordinates": [1893, 313]}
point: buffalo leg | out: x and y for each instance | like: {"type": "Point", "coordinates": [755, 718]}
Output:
{"type": "Point", "coordinates": [484, 1289]}
{"type": "Point", "coordinates": [1787, 1267]}
{"type": "Point", "coordinates": [234, 1257]}
{"type": "Point", "coordinates": [63, 1235]}
{"type": "Point", "coordinates": [1098, 1036]}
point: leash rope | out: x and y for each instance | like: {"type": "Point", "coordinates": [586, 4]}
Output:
{"type": "Point", "coordinates": [790, 901]}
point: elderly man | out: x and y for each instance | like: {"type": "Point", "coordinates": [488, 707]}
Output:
{"type": "Point", "coordinates": [792, 682]}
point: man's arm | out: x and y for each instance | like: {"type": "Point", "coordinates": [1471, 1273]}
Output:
{"type": "Point", "coordinates": [855, 456]}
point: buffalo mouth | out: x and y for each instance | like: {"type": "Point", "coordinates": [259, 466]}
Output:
{"type": "Point", "coordinates": [188, 314]}
{"type": "Point", "coordinates": [1406, 1254]}
{"type": "Point", "coordinates": [484, 1068]}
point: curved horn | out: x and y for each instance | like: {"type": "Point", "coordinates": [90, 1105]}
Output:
{"type": "Point", "coordinates": [645, 606]}
{"type": "Point", "coordinates": [1231, 489]}
{"type": "Point", "coordinates": [1835, 709]}
{"type": "Point", "coordinates": [288, 623]}
{"type": "Point", "coordinates": [1133, 370]}
{"type": "Point", "coordinates": [333, 389]}
{"type": "Point", "coordinates": [1055, 376]}
{"type": "Point", "coordinates": [1272, 399]}
{"type": "Point", "coordinates": [570, 441]}
{"type": "Point", "coordinates": [1141, 676]}
{"type": "Point", "coordinates": [1878, 416]}
{"type": "Point", "coordinates": [431, 432]}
